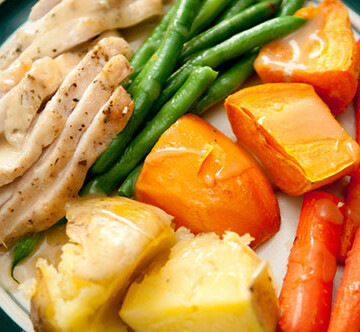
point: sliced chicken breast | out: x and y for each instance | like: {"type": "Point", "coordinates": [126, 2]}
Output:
{"type": "Point", "coordinates": [50, 122]}
{"type": "Point", "coordinates": [13, 75]}
{"type": "Point", "coordinates": [30, 30]}
{"type": "Point", "coordinates": [43, 196]}
{"type": "Point", "coordinates": [13, 46]}
{"type": "Point", "coordinates": [42, 80]}
{"type": "Point", "coordinates": [82, 49]}
{"type": "Point", "coordinates": [96, 94]}
{"type": "Point", "coordinates": [121, 14]}
{"type": "Point", "coordinates": [19, 107]}
{"type": "Point", "coordinates": [73, 32]}
{"type": "Point", "coordinates": [41, 8]}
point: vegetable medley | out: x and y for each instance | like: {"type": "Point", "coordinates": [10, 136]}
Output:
{"type": "Point", "coordinates": [175, 253]}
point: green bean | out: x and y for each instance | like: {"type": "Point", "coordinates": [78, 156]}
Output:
{"type": "Point", "coordinates": [289, 7]}
{"type": "Point", "coordinates": [27, 245]}
{"type": "Point", "coordinates": [198, 81]}
{"type": "Point", "coordinates": [218, 33]}
{"type": "Point", "coordinates": [207, 13]}
{"type": "Point", "coordinates": [147, 64]}
{"type": "Point", "coordinates": [151, 43]}
{"type": "Point", "coordinates": [60, 222]}
{"type": "Point", "coordinates": [128, 186]}
{"type": "Point", "coordinates": [226, 83]}
{"type": "Point", "coordinates": [134, 86]}
{"type": "Point", "coordinates": [277, 2]}
{"type": "Point", "coordinates": [229, 49]}
{"type": "Point", "coordinates": [23, 249]}
{"type": "Point", "coordinates": [235, 7]}
{"type": "Point", "coordinates": [151, 85]}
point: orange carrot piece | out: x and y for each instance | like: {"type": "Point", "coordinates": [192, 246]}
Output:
{"type": "Point", "coordinates": [352, 216]}
{"type": "Point", "coordinates": [352, 200]}
{"type": "Point", "coordinates": [357, 104]}
{"type": "Point", "coordinates": [346, 312]}
{"type": "Point", "coordinates": [305, 299]}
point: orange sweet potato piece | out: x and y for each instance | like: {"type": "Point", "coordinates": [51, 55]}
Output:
{"type": "Point", "coordinates": [294, 134]}
{"type": "Point", "coordinates": [322, 53]}
{"type": "Point", "coordinates": [208, 182]}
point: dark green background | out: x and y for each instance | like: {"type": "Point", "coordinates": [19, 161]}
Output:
{"type": "Point", "coordinates": [13, 13]}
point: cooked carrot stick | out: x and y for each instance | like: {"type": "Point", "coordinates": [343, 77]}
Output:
{"type": "Point", "coordinates": [357, 103]}
{"type": "Point", "coordinates": [352, 216]}
{"type": "Point", "coordinates": [352, 199]}
{"type": "Point", "coordinates": [305, 299]}
{"type": "Point", "coordinates": [346, 312]}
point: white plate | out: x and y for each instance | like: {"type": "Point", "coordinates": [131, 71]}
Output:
{"type": "Point", "coordinates": [275, 250]}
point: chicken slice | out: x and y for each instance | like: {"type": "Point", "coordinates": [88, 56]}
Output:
{"type": "Point", "coordinates": [13, 46]}
{"type": "Point", "coordinates": [18, 107]}
{"type": "Point", "coordinates": [18, 72]}
{"type": "Point", "coordinates": [82, 49]}
{"type": "Point", "coordinates": [13, 75]}
{"type": "Point", "coordinates": [41, 8]}
{"type": "Point", "coordinates": [50, 122]}
{"type": "Point", "coordinates": [42, 80]}
{"type": "Point", "coordinates": [73, 32]}
{"type": "Point", "coordinates": [31, 30]}
{"type": "Point", "coordinates": [40, 200]}
{"type": "Point", "coordinates": [121, 13]}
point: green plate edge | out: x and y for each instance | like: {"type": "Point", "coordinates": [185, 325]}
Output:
{"type": "Point", "coordinates": [12, 14]}
{"type": "Point", "coordinates": [353, 4]}
{"type": "Point", "coordinates": [7, 324]}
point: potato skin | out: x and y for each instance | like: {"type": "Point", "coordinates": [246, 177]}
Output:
{"type": "Point", "coordinates": [40, 303]}
{"type": "Point", "coordinates": [208, 183]}
{"type": "Point", "coordinates": [111, 239]}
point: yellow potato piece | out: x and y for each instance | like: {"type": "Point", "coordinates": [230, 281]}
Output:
{"type": "Point", "coordinates": [205, 284]}
{"type": "Point", "coordinates": [111, 239]}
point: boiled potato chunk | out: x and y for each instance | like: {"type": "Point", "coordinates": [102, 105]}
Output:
{"type": "Point", "coordinates": [205, 284]}
{"type": "Point", "coordinates": [110, 240]}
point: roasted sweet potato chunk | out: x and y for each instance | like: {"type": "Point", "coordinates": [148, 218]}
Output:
{"type": "Point", "coordinates": [208, 182]}
{"type": "Point", "coordinates": [294, 134]}
{"type": "Point", "coordinates": [322, 53]}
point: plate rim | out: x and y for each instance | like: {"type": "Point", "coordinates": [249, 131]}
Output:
{"type": "Point", "coordinates": [20, 322]}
